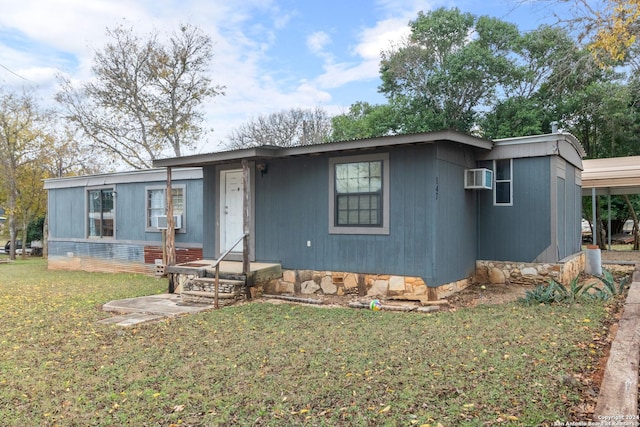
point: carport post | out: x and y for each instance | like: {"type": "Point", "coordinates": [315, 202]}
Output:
{"type": "Point", "coordinates": [594, 227]}
{"type": "Point", "coordinates": [609, 216]}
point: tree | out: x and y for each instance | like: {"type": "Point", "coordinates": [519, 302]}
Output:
{"type": "Point", "coordinates": [31, 203]}
{"type": "Point", "coordinates": [451, 64]}
{"type": "Point", "coordinates": [145, 96]}
{"type": "Point", "coordinates": [611, 27]}
{"type": "Point", "coordinates": [68, 155]}
{"type": "Point", "coordinates": [363, 120]}
{"type": "Point", "coordinates": [286, 128]}
{"type": "Point", "coordinates": [21, 139]}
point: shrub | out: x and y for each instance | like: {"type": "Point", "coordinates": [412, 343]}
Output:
{"type": "Point", "coordinates": [610, 287]}
{"type": "Point", "coordinates": [555, 292]}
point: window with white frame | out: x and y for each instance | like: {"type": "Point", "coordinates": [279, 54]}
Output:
{"type": "Point", "coordinates": [156, 202]}
{"type": "Point", "coordinates": [100, 213]}
{"type": "Point", "coordinates": [503, 190]}
{"type": "Point", "coordinates": [359, 194]}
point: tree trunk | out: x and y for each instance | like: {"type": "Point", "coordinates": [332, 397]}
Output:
{"type": "Point", "coordinates": [12, 234]}
{"type": "Point", "coordinates": [636, 231]}
{"type": "Point", "coordinates": [45, 237]}
{"type": "Point", "coordinates": [171, 232]}
{"type": "Point", "coordinates": [24, 240]}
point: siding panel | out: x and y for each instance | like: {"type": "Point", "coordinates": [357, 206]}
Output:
{"type": "Point", "coordinates": [292, 203]}
{"type": "Point", "coordinates": [456, 221]}
{"type": "Point", "coordinates": [522, 231]}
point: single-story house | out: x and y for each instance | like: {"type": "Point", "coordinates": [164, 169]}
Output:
{"type": "Point", "coordinates": [110, 222]}
{"type": "Point", "coordinates": [424, 207]}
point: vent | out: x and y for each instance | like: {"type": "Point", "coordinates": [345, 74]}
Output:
{"type": "Point", "coordinates": [161, 222]}
{"type": "Point", "coordinates": [478, 179]}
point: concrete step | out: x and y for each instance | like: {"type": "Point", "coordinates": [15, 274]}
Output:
{"type": "Point", "coordinates": [207, 284]}
{"type": "Point", "coordinates": [202, 294]}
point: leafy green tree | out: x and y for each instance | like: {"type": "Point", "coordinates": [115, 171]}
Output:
{"type": "Point", "coordinates": [451, 64]}
{"type": "Point", "coordinates": [364, 120]}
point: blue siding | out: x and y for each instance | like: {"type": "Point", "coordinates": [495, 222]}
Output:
{"type": "Point", "coordinates": [572, 202]}
{"type": "Point", "coordinates": [561, 217]}
{"type": "Point", "coordinates": [131, 213]}
{"type": "Point", "coordinates": [292, 203]}
{"type": "Point", "coordinates": [455, 246]}
{"type": "Point", "coordinates": [522, 231]}
{"type": "Point", "coordinates": [67, 212]}
{"type": "Point", "coordinates": [104, 250]}
{"type": "Point", "coordinates": [209, 207]}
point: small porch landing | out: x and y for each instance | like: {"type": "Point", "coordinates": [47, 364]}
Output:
{"type": "Point", "coordinates": [260, 272]}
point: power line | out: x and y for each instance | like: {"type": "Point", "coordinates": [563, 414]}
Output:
{"type": "Point", "coordinates": [14, 73]}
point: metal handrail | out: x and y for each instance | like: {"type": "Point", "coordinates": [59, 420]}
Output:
{"type": "Point", "coordinates": [216, 265]}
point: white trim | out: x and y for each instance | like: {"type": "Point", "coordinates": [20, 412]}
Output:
{"type": "Point", "coordinates": [496, 181]}
{"type": "Point", "coordinates": [384, 229]}
{"type": "Point", "coordinates": [113, 189]}
{"type": "Point", "coordinates": [152, 229]}
{"type": "Point", "coordinates": [148, 175]}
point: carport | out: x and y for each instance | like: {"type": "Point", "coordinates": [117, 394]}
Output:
{"type": "Point", "coordinates": [612, 176]}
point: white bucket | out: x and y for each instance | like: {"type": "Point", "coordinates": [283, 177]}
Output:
{"type": "Point", "coordinates": [593, 263]}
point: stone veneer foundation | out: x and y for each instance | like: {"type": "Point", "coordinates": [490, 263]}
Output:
{"type": "Point", "coordinates": [504, 272]}
{"type": "Point", "coordinates": [310, 282]}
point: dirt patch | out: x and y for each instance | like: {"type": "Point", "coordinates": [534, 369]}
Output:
{"type": "Point", "coordinates": [620, 256]}
{"type": "Point", "coordinates": [478, 294]}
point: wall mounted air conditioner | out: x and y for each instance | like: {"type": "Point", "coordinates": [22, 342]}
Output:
{"type": "Point", "coordinates": [478, 179]}
{"type": "Point", "coordinates": [161, 222]}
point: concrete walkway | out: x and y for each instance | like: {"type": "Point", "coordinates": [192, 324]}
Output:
{"type": "Point", "coordinates": [618, 399]}
{"type": "Point", "coordinates": [149, 308]}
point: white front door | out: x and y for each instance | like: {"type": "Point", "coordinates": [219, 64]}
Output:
{"type": "Point", "coordinates": [232, 196]}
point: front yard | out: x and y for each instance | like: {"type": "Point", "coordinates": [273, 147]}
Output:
{"type": "Point", "coordinates": [282, 364]}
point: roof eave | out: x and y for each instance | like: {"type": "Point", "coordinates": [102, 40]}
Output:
{"type": "Point", "coordinates": [316, 149]}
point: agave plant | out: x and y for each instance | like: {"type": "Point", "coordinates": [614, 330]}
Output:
{"type": "Point", "coordinates": [555, 292]}
{"type": "Point", "coordinates": [610, 287]}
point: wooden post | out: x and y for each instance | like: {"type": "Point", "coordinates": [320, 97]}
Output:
{"type": "Point", "coordinates": [170, 243]}
{"type": "Point", "coordinates": [246, 217]}
{"type": "Point", "coordinates": [217, 285]}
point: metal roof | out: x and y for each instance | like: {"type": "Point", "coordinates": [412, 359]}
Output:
{"type": "Point", "coordinates": [266, 152]}
{"type": "Point", "coordinates": [615, 175]}
{"type": "Point", "coordinates": [144, 175]}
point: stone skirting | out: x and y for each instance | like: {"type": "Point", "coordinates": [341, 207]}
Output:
{"type": "Point", "coordinates": [311, 282]}
{"type": "Point", "coordinates": [505, 272]}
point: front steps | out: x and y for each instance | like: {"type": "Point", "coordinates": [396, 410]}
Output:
{"type": "Point", "coordinates": [196, 280]}
{"type": "Point", "coordinates": [201, 290]}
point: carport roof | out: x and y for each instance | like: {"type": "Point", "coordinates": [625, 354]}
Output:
{"type": "Point", "coordinates": [616, 175]}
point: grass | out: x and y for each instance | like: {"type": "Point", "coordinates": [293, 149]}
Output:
{"type": "Point", "coordinates": [281, 364]}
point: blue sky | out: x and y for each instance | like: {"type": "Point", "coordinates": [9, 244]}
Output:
{"type": "Point", "coordinates": [271, 55]}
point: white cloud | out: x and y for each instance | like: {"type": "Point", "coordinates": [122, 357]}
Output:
{"type": "Point", "coordinates": [53, 37]}
{"type": "Point", "coordinates": [317, 41]}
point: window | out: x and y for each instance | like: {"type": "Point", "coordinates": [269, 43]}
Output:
{"type": "Point", "coordinates": [156, 204]}
{"type": "Point", "coordinates": [101, 213]}
{"type": "Point", "coordinates": [359, 202]}
{"type": "Point", "coordinates": [503, 192]}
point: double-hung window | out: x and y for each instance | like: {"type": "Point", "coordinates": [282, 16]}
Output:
{"type": "Point", "coordinates": [503, 192]}
{"type": "Point", "coordinates": [156, 202]}
{"type": "Point", "coordinates": [359, 194]}
{"type": "Point", "coordinates": [100, 213]}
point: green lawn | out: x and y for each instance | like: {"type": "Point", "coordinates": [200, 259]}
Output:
{"type": "Point", "coordinates": [281, 364]}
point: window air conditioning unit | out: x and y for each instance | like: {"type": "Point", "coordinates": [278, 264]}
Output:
{"type": "Point", "coordinates": [478, 179]}
{"type": "Point", "coordinates": [161, 222]}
